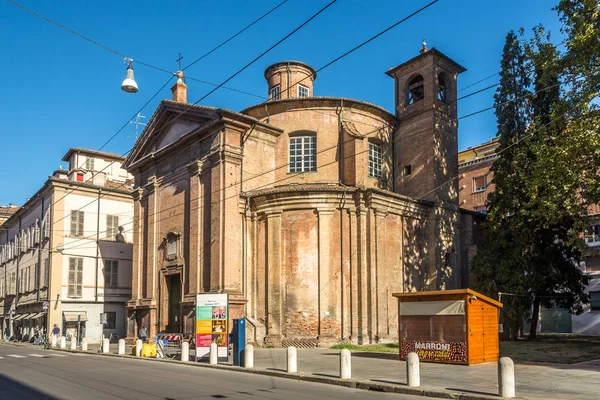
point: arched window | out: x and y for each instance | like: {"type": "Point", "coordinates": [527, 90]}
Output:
{"type": "Point", "coordinates": [442, 93]}
{"type": "Point", "coordinates": [303, 152]}
{"type": "Point", "coordinates": [415, 90]}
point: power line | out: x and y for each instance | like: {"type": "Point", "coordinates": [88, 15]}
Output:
{"type": "Point", "coordinates": [236, 35]}
{"type": "Point", "coordinates": [118, 53]}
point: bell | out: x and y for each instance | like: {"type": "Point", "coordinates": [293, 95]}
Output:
{"type": "Point", "coordinates": [129, 85]}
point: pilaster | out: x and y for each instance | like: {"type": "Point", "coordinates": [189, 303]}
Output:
{"type": "Point", "coordinates": [275, 282]}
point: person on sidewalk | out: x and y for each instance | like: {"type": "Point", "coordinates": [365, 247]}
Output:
{"type": "Point", "coordinates": [143, 333]}
{"type": "Point", "coordinates": [56, 332]}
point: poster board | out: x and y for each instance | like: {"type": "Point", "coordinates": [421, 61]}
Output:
{"type": "Point", "coordinates": [212, 316]}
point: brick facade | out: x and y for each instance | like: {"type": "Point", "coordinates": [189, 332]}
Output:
{"type": "Point", "coordinates": [312, 255]}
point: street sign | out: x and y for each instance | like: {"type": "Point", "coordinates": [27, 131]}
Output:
{"type": "Point", "coordinates": [45, 305]}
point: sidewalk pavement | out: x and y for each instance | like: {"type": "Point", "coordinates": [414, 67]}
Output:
{"type": "Point", "coordinates": [381, 371]}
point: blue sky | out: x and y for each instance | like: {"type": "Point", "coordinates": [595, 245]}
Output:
{"type": "Point", "coordinates": [59, 91]}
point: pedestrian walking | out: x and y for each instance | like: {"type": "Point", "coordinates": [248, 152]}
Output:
{"type": "Point", "coordinates": [143, 333]}
{"type": "Point", "coordinates": [56, 332]}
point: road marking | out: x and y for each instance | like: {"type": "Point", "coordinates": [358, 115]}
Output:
{"type": "Point", "coordinates": [15, 356]}
{"type": "Point", "coordinates": [37, 355]}
{"type": "Point", "coordinates": [59, 355]}
{"type": "Point", "coordinates": [1, 358]}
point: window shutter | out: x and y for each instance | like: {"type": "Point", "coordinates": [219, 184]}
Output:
{"type": "Point", "coordinates": [80, 226]}
{"type": "Point", "coordinates": [79, 276]}
{"type": "Point", "coordinates": [74, 223]}
{"type": "Point", "coordinates": [72, 262]}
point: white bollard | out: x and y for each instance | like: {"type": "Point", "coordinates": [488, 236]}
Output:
{"type": "Point", "coordinates": [63, 342]}
{"type": "Point", "coordinates": [73, 344]}
{"type": "Point", "coordinates": [185, 351]}
{"type": "Point", "coordinates": [121, 347]}
{"type": "Point", "coordinates": [249, 356]}
{"type": "Point", "coordinates": [105, 346]}
{"type": "Point", "coordinates": [506, 378]}
{"type": "Point", "coordinates": [292, 360]}
{"type": "Point", "coordinates": [84, 344]}
{"type": "Point", "coordinates": [413, 375]}
{"type": "Point", "coordinates": [138, 347]}
{"type": "Point", "coordinates": [53, 341]}
{"type": "Point", "coordinates": [214, 357]}
{"type": "Point", "coordinates": [345, 364]}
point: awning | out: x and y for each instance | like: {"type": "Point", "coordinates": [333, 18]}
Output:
{"type": "Point", "coordinates": [73, 316]}
{"type": "Point", "coordinates": [452, 307]}
{"type": "Point", "coordinates": [27, 316]}
{"type": "Point", "coordinates": [37, 315]}
{"type": "Point", "coordinates": [19, 317]}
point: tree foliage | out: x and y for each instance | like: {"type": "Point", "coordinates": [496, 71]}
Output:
{"type": "Point", "coordinates": [546, 175]}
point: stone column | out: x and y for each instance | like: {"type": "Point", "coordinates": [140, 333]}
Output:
{"type": "Point", "coordinates": [328, 318]}
{"type": "Point", "coordinates": [194, 267]}
{"type": "Point", "coordinates": [275, 280]}
{"type": "Point", "coordinates": [362, 274]}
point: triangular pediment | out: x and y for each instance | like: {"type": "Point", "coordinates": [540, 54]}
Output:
{"type": "Point", "coordinates": [171, 121]}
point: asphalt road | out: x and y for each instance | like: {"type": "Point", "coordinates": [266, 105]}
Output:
{"type": "Point", "coordinates": [27, 373]}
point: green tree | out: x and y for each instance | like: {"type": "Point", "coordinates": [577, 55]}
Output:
{"type": "Point", "coordinates": [506, 273]}
{"type": "Point", "coordinates": [547, 173]}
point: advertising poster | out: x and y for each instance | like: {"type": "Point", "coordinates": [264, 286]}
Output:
{"type": "Point", "coordinates": [435, 351]}
{"type": "Point", "coordinates": [212, 316]}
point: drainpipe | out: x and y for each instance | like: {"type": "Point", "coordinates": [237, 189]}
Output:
{"type": "Point", "coordinates": [97, 248]}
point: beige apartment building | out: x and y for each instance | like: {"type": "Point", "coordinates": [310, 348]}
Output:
{"type": "Point", "coordinates": [65, 255]}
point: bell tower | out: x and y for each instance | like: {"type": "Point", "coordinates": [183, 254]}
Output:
{"type": "Point", "coordinates": [426, 141]}
{"type": "Point", "coordinates": [426, 157]}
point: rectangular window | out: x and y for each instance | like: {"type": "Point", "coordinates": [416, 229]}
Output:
{"type": "Point", "coordinates": [112, 226]}
{"type": "Point", "coordinates": [89, 163]}
{"type": "Point", "coordinates": [275, 93]}
{"type": "Point", "coordinates": [75, 277]}
{"type": "Point", "coordinates": [375, 160]}
{"type": "Point", "coordinates": [111, 320]}
{"type": "Point", "coordinates": [480, 209]}
{"type": "Point", "coordinates": [593, 234]}
{"type": "Point", "coordinates": [303, 91]}
{"type": "Point", "coordinates": [111, 273]}
{"type": "Point", "coordinates": [76, 223]}
{"type": "Point", "coordinates": [595, 297]}
{"type": "Point", "coordinates": [303, 153]}
{"type": "Point", "coordinates": [407, 170]}
{"type": "Point", "coordinates": [79, 177]}
{"type": "Point", "coordinates": [479, 184]}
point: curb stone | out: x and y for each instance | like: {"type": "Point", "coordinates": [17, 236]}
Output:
{"type": "Point", "coordinates": [350, 383]}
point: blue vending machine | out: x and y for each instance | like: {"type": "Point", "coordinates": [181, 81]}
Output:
{"type": "Point", "coordinates": [238, 338]}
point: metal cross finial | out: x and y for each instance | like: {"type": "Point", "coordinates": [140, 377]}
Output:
{"type": "Point", "coordinates": [179, 60]}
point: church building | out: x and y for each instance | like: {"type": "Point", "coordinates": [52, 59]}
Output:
{"type": "Point", "coordinates": [308, 211]}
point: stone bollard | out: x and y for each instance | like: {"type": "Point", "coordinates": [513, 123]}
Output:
{"type": "Point", "coordinates": [53, 341]}
{"type": "Point", "coordinates": [121, 347]}
{"type": "Point", "coordinates": [63, 342]}
{"type": "Point", "coordinates": [138, 347]}
{"type": "Point", "coordinates": [413, 375]}
{"type": "Point", "coordinates": [84, 344]}
{"type": "Point", "coordinates": [345, 364]}
{"type": "Point", "coordinates": [292, 360]}
{"type": "Point", "coordinates": [506, 378]}
{"type": "Point", "coordinates": [214, 356]}
{"type": "Point", "coordinates": [105, 346]}
{"type": "Point", "coordinates": [185, 351]}
{"type": "Point", "coordinates": [73, 344]}
{"type": "Point", "coordinates": [249, 356]}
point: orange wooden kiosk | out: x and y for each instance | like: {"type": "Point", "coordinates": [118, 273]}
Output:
{"type": "Point", "coordinates": [448, 326]}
